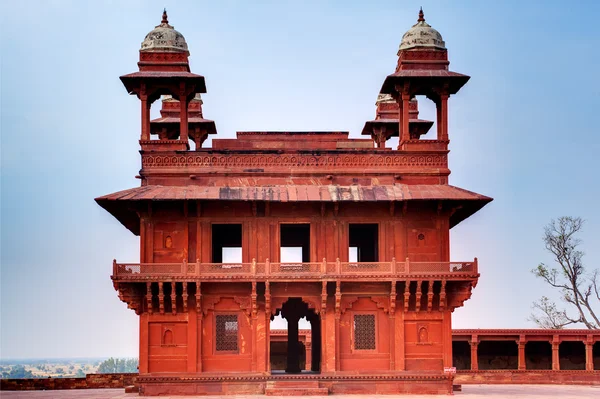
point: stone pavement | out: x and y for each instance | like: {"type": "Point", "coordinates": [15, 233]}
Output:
{"type": "Point", "coordinates": [469, 392]}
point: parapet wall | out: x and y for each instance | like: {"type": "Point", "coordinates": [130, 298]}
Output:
{"type": "Point", "coordinates": [561, 377]}
{"type": "Point", "coordinates": [91, 381]}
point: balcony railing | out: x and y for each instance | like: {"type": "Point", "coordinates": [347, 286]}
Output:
{"type": "Point", "coordinates": [309, 269]}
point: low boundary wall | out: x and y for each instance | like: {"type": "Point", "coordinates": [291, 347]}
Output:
{"type": "Point", "coordinates": [117, 380]}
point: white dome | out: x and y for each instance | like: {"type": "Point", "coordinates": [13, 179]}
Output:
{"type": "Point", "coordinates": [164, 38]}
{"type": "Point", "coordinates": [422, 35]}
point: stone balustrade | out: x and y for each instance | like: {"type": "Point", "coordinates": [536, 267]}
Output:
{"type": "Point", "coordinates": [135, 271]}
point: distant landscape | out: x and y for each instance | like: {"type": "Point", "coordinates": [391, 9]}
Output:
{"type": "Point", "coordinates": [65, 368]}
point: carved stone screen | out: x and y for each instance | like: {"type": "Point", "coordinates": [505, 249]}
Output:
{"type": "Point", "coordinates": [364, 331]}
{"type": "Point", "coordinates": [227, 333]}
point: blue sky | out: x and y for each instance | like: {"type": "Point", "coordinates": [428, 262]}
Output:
{"type": "Point", "coordinates": [523, 130]}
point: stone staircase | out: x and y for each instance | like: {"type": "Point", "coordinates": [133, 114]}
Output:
{"type": "Point", "coordinates": [295, 388]}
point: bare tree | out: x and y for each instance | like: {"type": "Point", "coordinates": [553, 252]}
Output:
{"type": "Point", "coordinates": [579, 290]}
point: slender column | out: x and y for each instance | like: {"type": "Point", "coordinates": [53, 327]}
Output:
{"type": "Point", "coordinates": [253, 297]}
{"type": "Point", "coordinates": [443, 117]}
{"type": "Point", "coordinates": [308, 347]}
{"type": "Point", "coordinates": [555, 354]}
{"type": "Point", "coordinates": [199, 330]}
{"type": "Point", "coordinates": [338, 302]}
{"type": "Point", "coordinates": [522, 361]}
{"type": "Point", "coordinates": [474, 363]}
{"type": "Point", "coordinates": [183, 114]}
{"type": "Point", "coordinates": [268, 324]}
{"type": "Point", "coordinates": [145, 114]}
{"type": "Point", "coordinates": [323, 329]}
{"type": "Point", "coordinates": [393, 326]}
{"type": "Point", "coordinates": [589, 353]}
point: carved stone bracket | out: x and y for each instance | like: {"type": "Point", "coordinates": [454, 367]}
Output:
{"type": "Point", "coordinates": [132, 295]}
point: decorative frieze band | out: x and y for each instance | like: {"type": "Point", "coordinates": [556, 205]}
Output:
{"type": "Point", "coordinates": [293, 160]}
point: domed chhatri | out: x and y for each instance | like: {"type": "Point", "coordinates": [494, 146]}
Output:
{"type": "Point", "coordinates": [422, 35]}
{"type": "Point", "coordinates": [164, 38]}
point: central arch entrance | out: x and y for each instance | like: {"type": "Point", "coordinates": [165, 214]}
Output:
{"type": "Point", "coordinates": [293, 310]}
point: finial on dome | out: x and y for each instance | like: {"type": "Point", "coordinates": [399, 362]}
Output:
{"type": "Point", "coordinates": [165, 19]}
{"type": "Point", "coordinates": [421, 16]}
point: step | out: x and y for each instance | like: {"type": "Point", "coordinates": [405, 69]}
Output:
{"type": "Point", "coordinates": [296, 391]}
{"type": "Point", "coordinates": [293, 384]}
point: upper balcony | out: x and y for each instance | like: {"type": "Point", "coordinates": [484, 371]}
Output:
{"type": "Point", "coordinates": [294, 271]}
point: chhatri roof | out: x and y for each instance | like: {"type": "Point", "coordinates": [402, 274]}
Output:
{"type": "Point", "coordinates": [164, 38]}
{"type": "Point", "coordinates": [422, 34]}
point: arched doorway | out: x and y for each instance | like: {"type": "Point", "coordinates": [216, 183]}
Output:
{"type": "Point", "coordinates": [292, 311]}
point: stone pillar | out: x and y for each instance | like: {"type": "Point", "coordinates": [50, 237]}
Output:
{"type": "Point", "coordinates": [338, 302]}
{"type": "Point", "coordinates": [404, 111]}
{"type": "Point", "coordinates": [307, 345]}
{"type": "Point", "coordinates": [442, 117]}
{"type": "Point", "coordinates": [589, 353]}
{"type": "Point", "coordinates": [268, 326]}
{"type": "Point", "coordinates": [293, 357]}
{"type": "Point", "coordinates": [555, 353]}
{"type": "Point", "coordinates": [183, 114]}
{"type": "Point", "coordinates": [145, 115]}
{"type": "Point", "coordinates": [522, 360]}
{"type": "Point", "coordinates": [199, 314]}
{"type": "Point", "coordinates": [474, 363]}
{"type": "Point", "coordinates": [392, 313]}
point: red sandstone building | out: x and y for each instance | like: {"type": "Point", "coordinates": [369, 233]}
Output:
{"type": "Point", "coordinates": [347, 233]}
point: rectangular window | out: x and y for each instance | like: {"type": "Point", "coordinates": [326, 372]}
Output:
{"type": "Point", "coordinates": [227, 333]}
{"type": "Point", "coordinates": [363, 243]}
{"type": "Point", "coordinates": [364, 331]}
{"type": "Point", "coordinates": [294, 243]}
{"type": "Point", "coordinates": [227, 243]}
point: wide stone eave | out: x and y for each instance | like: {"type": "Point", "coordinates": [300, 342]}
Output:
{"type": "Point", "coordinates": [124, 205]}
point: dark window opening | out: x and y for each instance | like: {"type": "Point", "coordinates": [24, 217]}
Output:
{"type": "Point", "coordinates": [363, 240]}
{"type": "Point", "coordinates": [227, 243]}
{"type": "Point", "coordinates": [538, 355]}
{"type": "Point", "coordinates": [227, 333]}
{"type": "Point", "coordinates": [461, 355]}
{"type": "Point", "coordinates": [294, 243]}
{"type": "Point", "coordinates": [364, 331]}
{"type": "Point", "coordinates": [498, 355]}
{"type": "Point", "coordinates": [571, 355]}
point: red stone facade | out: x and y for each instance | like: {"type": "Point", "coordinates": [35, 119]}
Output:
{"type": "Point", "coordinates": [315, 225]}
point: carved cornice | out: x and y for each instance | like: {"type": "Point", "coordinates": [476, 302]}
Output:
{"type": "Point", "coordinates": [169, 159]}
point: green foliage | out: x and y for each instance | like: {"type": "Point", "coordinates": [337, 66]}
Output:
{"type": "Point", "coordinates": [60, 370]}
{"type": "Point", "coordinates": [80, 374]}
{"type": "Point", "coordinates": [18, 372]}
{"type": "Point", "coordinates": [118, 366]}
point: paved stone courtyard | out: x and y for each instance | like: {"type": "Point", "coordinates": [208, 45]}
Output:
{"type": "Point", "coordinates": [469, 391]}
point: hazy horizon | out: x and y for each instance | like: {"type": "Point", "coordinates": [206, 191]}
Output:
{"type": "Point", "coordinates": [521, 130]}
